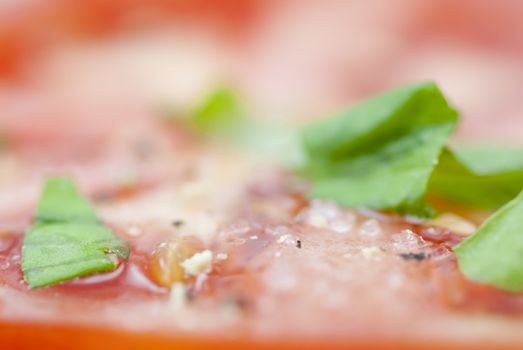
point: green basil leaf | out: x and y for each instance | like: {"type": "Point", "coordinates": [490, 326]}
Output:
{"type": "Point", "coordinates": [381, 153]}
{"type": "Point", "coordinates": [494, 254]}
{"type": "Point", "coordinates": [490, 160]}
{"type": "Point", "coordinates": [276, 141]}
{"type": "Point", "coordinates": [221, 116]}
{"type": "Point", "coordinates": [61, 201]}
{"type": "Point", "coordinates": [67, 240]}
{"type": "Point", "coordinates": [220, 111]}
{"type": "Point", "coordinates": [479, 177]}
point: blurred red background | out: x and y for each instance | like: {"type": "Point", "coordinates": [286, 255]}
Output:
{"type": "Point", "coordinates": [290, 59]}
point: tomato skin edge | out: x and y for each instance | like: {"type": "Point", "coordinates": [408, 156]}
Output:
{"type": "Point", "coordinates": [20, 335]}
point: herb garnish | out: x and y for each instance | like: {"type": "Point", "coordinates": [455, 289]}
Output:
{"type": "Point", "coordinates": [479, 177]}
{"type": "Point", "coordinates": [222, 116]}
{"type": "Point", "coordinates": [381, 153]}
{"type": "Point", "coordinates": [221, 110]}
{"type": "Point", "coordinates": [387, 152]}
{"type": "Point", "coordinates": [67, 240]}
{"type": "Point", "coordinates": [494, 254]}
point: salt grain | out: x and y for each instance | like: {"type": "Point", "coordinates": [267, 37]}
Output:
{"type": "Point", "coordinates": [134, 231]}
{"type": "Point", "coordinates": [221, 256]}
{"type": "Point", "coordinates": [237, 241]}
{"type": "Point", "coordinates": [286, 239]}
{"type": "Point", "coordinates": [407, 240]}
{"type": "Point", "coordinates": [318, 221]}
{"type": "Point", "coordinates": [372, 252]}
{"type": "Point", "coordinates": [340, 226]}
{"type": "Point", "coordinates": [198, 263]}
{"type": "Point", "coordinates": [370, 230]}
{"type": "Point", "coordinates": [239, 229]}
{"type": "Point", "coordinates": [326, 209]}
{"type": "Point", "coordinates": [277, 231]}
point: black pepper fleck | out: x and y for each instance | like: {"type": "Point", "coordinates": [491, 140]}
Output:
{"type": "Point", "coordinates": [104, 196]}
{"type": "Point", "coordinates": [240, 302]}
{"type": "Point", "coordinates": [413, 256]}
{"type": "Point", "coordinates": [298, 244]}
{"type": "Point", "coordinates": [190, 294]}
{"type": "Point", "coordinates": [177, 223]}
